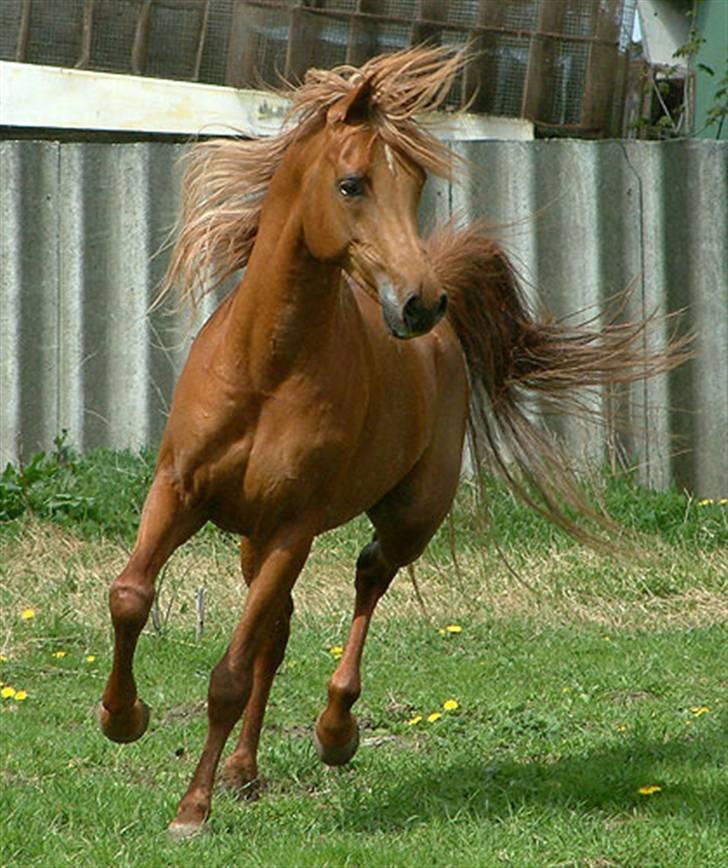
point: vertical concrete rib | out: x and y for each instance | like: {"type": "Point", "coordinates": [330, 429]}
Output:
{"type": "Point", "coordinates": [11, 287]}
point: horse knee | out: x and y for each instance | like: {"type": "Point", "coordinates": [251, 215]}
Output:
{"type": "Point", "coordinates": [129, 604]}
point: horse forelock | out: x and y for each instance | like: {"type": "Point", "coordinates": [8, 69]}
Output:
{"type": "Point", "coordinates": [226, 179]}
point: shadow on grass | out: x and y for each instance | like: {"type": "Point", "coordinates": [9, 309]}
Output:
{"type": "Point", "coordinates": [604, 781]}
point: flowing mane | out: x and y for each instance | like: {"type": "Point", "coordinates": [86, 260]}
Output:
{"type": "Point", "coordinates": [226, 179]}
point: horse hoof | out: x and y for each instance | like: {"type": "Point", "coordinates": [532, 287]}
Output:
{"type": "Point", "coordinates": [336, 754]}
{"type": "Point", "coordinates": [125, 726]}
{"type": "Point", "coordinates": [185, 831]}
{"type": "Point", "coordinates": [241, 784]}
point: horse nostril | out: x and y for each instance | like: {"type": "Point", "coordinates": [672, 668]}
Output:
{"type": "Point", "coordinates": [418, 318]}
{"type": "Point", "coordinates": [415, 314]}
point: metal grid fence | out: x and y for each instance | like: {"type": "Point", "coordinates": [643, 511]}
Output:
{"type": "Point", "coordinates": [559, 63]}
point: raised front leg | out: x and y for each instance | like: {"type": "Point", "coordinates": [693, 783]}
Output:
{"type": "Point", "coordinates": [232, 679]}
{"type": "Point", "coordinates": [336, 736]}
{"type": "Point", "coordinates": [164, 526]}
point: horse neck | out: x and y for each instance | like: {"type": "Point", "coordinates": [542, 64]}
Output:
{"type": "Point", "coordinates": [284, 310]}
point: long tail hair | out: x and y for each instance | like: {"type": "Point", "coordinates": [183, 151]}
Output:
{"type": "Point", "coordinates": [513, 358]}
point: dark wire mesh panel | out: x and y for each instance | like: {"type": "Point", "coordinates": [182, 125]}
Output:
{"type": "Point", "coordinates": [52, 38]}
{"type": "Point", "coordinates": [217, 42]}
{"type": "Point", "coordinates": [331, 38]}
{"type": "Point", "coordinates": [112, 35]}
{"type": "Point", "coordinates": [569, 74]}
{"type": "Point", "coordinates": [510, 82]}
{"type": "Point", "coordinates": [10, 18]}
{"type": "Point", "coordinates": [580, 18]}
{"type": "Point", "coordinates": [521, 14]}
{"type": "Point", "coordinates": [463, 14]}
{"type": "Point", "coordinates": [173, 38]}
{"type": "Point", "coordinates": [407, 9]}
{"type": "Point", "coordinates": [552, 61]}
{"type": "Point", "coordinates": [267, 46]}
{"type": "Point", "coordinates": [338, 5]}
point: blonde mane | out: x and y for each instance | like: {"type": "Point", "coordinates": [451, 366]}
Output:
{"type": "Point", "coordinates": [226, 179]}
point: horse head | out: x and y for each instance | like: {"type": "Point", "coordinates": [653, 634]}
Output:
{"type": "Point", "coordinates": [361, 195]}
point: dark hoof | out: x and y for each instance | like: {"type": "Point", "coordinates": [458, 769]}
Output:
{"type": "Point", "coordinates": [336, 754]}
{"type": "Point", "coordinates": [125, 726]}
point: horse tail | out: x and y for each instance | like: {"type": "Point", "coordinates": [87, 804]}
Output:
{"type": "Point", "coordinates": [514, 357]}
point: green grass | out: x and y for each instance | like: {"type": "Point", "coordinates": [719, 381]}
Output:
{"type": "Point", "coordinates": [579, 680]}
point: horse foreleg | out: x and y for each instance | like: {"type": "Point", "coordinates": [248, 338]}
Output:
{"type": "Point", "coordinates": [240, 772]}
{"type": "Point", "coordinates": [123, 717]}
{"type": "Point", "coordinates": [231, 682]}
{"type": "Point", "coordinates": [336, 736]}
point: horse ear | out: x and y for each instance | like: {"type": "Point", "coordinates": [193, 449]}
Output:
{"type": "Point", "coordinates": [354, 107]}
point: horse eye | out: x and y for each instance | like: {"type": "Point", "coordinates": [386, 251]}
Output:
{"type": "Point", "coordinates": [351, 186]}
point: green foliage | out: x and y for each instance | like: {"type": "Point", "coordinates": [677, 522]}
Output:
{"type": "Point", "coordinates": [97, 494]}
{"type": "Point", "coordinates": [100, 494]}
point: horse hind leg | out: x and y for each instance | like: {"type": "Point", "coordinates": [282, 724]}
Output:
{"type": "Point", "coordinates": [123, 717]}
{"type": "Point", "coordinates": [240, 772]}
{"type": "Point", "coordinates": [405, 521]}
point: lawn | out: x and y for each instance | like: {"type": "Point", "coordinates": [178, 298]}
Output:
{"type": "Point", "coordinates": [539, 705]}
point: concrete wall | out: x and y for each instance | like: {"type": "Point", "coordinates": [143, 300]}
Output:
{"type": "Point", "coordinates": [81, 223]}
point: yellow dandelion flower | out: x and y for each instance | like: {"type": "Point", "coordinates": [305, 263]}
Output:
{"type": "Point", "coordinates": [91, 657]}
{"type": "Point", "coordinates": [20, 695]}
{"type": "Point", "coordinates": [414, 720]}
{"type": "Point", "coordinates": [3, 658]}
{"type": "Point", "coordinates": [27, 614]}
{"type": "Point", "coordinates": [454, 628]}
{"type": "Point", "coordinates": [706, 501]}
{"type": "Point", "coordinates": [450, 704]}
{"type": "Point", "coordinates": [621, 727]}
{"type": "Point", "coordinates": [7, 692]}
{"type": "Point", "coordinates": [336, 651]}
{"type": "Point", "coordinates": [649, 790]}
{"type": "Point", "coordinates": [60, 654]}
{"type": "Point", "coordinates": [436, 715]}
{"type": "Point", "coordinates": [723, 501]}
{"type": "Point", "coordinates": [699, 710]}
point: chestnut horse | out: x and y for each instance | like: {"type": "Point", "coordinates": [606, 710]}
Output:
{"type": "Point", "coordinates": [338, 378]}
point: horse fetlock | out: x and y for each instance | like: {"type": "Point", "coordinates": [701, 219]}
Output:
{"type": "Point", "coordinates": [343, 692]}
{"type": "Point", "coordinates": [125, 725]}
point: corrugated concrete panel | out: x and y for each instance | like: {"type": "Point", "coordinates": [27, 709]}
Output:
{"type": "Point", "coordinates": [81, 223]}
{"type": "Point", "coordinates": [585, 220]}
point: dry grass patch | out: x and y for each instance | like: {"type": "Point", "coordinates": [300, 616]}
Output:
{"type": "Point", "coordinates": [52, 571]}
